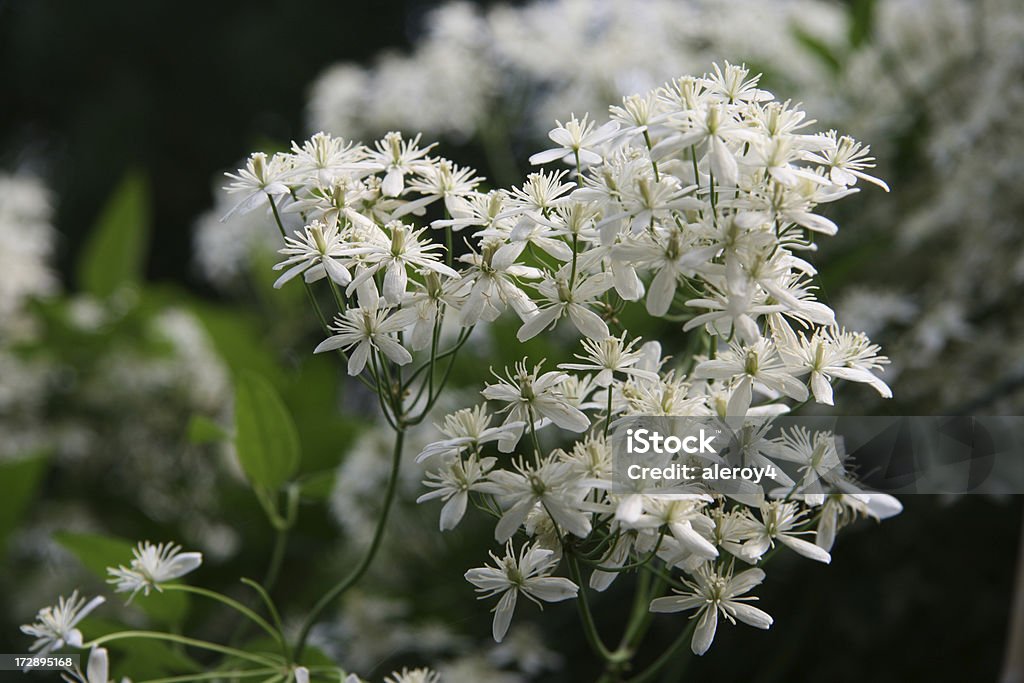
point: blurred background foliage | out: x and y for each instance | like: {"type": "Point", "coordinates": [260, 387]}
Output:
{"type": "Point", "coordinates": [116, 394]}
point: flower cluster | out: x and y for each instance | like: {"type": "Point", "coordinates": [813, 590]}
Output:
{"type": "Point", "coordinates": [697, 200]}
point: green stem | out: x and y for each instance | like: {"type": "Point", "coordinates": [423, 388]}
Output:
{"type": "Point", "coordinates": [589, 627]}
{"type": "Point", "coordinates": [213, 676]}
{"type": "Point", "coordinates": [271, 608]}
{"type": "Point", "coordinates": [233, 604]}
{"type": "Point", "coordinates": [367, 560]}
{"type": "Point", "coordinates": [183, 640]}
{"type": "Point", "coordinates": [650, 672]}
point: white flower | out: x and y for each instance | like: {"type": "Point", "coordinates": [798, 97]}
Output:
{"type": "Point", "coordinates": [670, 257]}
{"type": "Point", "coordinates": [470, 428]}
{"type": "Point", "coordinates": [397, 157]}
{"type": "Point", "coordinates": [841, 508]}
{"type": "Point", "coordinates": [542, 192]}
{"type": "Point", "coordinates": [492, 280]}
{"type": "Point", "coordinates": [577, 141]}
{"type": "Point", "coordinates": [683, 518]}
{"type": "Point", "coordinates": [713, 593]}
{"type": "Point", "coordinates": [609, 356]}
{"type": "Point", "coordinates": [54, 627]}
{"type": "Point", "coordinates": [413, 676]}
{"type": "Point", "coordinates": [443, 180]}
{"type": "Point", "coordinates": [152, 566]}
{"type": "Point", "coordinates": [323, 158]}
{"type": "Point", "coordinates": [528, 574]}
{"type": "Point", "coordinates": [551, 484]}
{"type": "Point", "coordinates": [563, 298]}
{"type": "Point", "coordinates": [531, 397]}
{"type": "Point", "coordinates": [404, 251]}
{"type": "Point", "coordinates": [830, 353]}
{"type": "Point", "coordinates": [452, 483]}
{"type": "Point", "coordinates": [846, 160]}
{"type": "Point", "coordinates": [757, 363]}
{"type": "Point", "coordinates": [779, 521]}
{"type": "Point", "coordinates": [260, 179]}
{"type": "Point", "coordinates": [315, 252]}
{"type": "Point", "coordinates": [367, 329]}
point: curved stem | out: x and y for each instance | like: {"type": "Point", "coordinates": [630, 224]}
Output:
{"type": "Point", "coordinates": [233, 604]}
{"type": "Point", "coordinates": [666, 656]}
{"type": "Point", "coordinates": [589, 627]}
{"type": "Point", "coordinates": [213, 676]}
{"type": "Point", "coordinates": [183, 640]}
{"type": "Point", "coordinates": [371, 552]}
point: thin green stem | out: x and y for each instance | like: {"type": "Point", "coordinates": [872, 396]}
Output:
{"type": "Point", "coordinates": [371, 552]}
{"type": "Point", "coordinates": [651, 671]}
{"type": "Point", "coordinates": [183, 640]}
{"type": "Point", "coordinates": [213, 676]}
{"type": "Point", "coordinates": [230, 602]}
{"type": "Point", "coordinates": [265, 596]}
{"type": "Point", "coordinates": [587, 617]}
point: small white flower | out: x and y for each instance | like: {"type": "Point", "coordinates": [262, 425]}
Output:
{"type": "Point", "coordinates": [760, 363]}
{"type": "Point", "coordinates": [531, 397]}
{"type": "Point", "coordinates": [551, 484]}
{"type": "Point", "coordinates": [405, 250]}
{"type": "Point", "coordinates": [576, 139]}
{"type": "Point", "coordinates": [54, 627]}
{"type": "Point", "coordinates": [452, 483]}
{"type": "Point", "coordinates": [574, 300]}
{"type": "Point", "coordinates": [261, 179]}
{"type": "Point", "coordinates": [152, 566]}
{"type": "Point", "coordinates": [528, 574]}
{"type": "Point", "coordinates": [471, 428]}
{"type": "Point", "coordinates": [713, 593]}
{"type": "Point", "coordinates": [413, 676]}
{"type": "Point", "coordinates": [367, 329]}
{"type": "Point", "coordinates": [779, 522]}
{"type": "Point", "coordinates": [316, 252]}
{"type": "Point", "coordinates": [397, 157]}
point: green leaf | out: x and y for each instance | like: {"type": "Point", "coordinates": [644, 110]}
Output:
{"type": "Point", "coordinates": [265, 436]}
{"type": "Point", "coordinates": [818, 48]}
{"type": "Point", "coordinates": [115, 253]}
{"type": "Point", "coordinates": [19, 480]}
{"type": "Point", "coordinates": [203, 430]}
{"type": "Point", "coordinates": [97, 552]}
{"type": "Point", "coordinates": [239, 340]}
{"type": "Point", "coordinates": [318, 486]}
{"type": "Point", "coordinates": [862, 21]}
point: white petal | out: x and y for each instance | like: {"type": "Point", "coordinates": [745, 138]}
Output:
{"type": "Point", "coordinates": [752, 615]}
{"type": "Point", "coordinates": [588, 323]}
{"type": "Point", "coordinates": [332, 343]}
{"type": "Point", "coordinates": [663, 287]}
{"type": "Point", "coordinates": [337, 272]}
{"type": "Point", "coordinates": [357, 361]}
{"type": "Point", "coordinates": [705, 632]}
{"type": "Point", "coordinates": [540, 321]}
{"type": "Point", "coordinates": [547, 156]}
{"type": "Point", "coordinates": [551, 588]}
{"type": "Point", "coordinates": [97, 669]}
{"type": "Point", "coordinates": [453, 510]}
{"type": "Point", "coordinates": [503, 615]}
{"type": "Point", "coordinates": [182, 564]}
{"type": "Point", "coordinates": [806, 548]}
{"type": "Point", "coordinates": [393, 350]}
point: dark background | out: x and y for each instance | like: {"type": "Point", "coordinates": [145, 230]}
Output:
{"type": "Point", "coordinates": [184, 90]}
